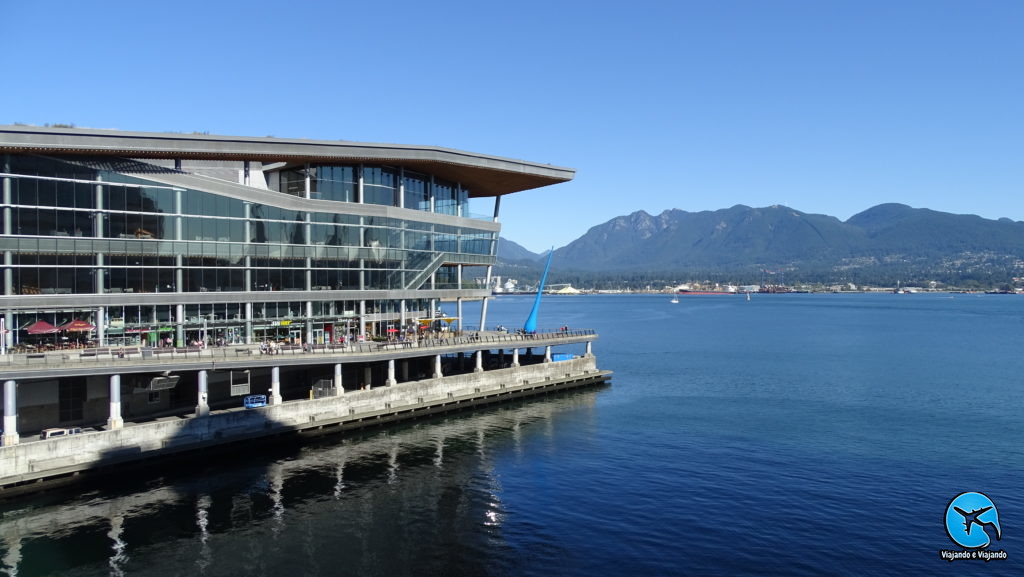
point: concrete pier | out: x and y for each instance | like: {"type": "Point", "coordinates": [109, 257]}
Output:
{"type": "Point", "coordinates": [22, 465]}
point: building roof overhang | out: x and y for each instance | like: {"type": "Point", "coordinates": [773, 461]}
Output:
{"type": "Point", "coordinates": [483, 175]}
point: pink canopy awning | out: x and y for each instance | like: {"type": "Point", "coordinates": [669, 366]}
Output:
{"type": "Point", "coordinates": [41, 328]}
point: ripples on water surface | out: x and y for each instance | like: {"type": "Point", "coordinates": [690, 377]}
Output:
{"type": "Point", "coordinates": [788, 435]}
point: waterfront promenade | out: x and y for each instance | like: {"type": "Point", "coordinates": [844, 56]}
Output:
{"type": "Point", "coordinates": [134, 359]}
{"type": "Point", "coordinates": [384, 382]}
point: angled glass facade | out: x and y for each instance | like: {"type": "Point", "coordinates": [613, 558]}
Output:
{"type": "Point", "coordinates": [314, 253]}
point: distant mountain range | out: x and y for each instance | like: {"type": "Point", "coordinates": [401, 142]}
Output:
{"type": "Point", "coordinates": [885, 242]}
{"type": "Point", "coordinates": [511, 252]}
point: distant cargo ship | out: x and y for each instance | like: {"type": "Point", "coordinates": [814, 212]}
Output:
{"type": "Point", "coordinates": [696, 292]}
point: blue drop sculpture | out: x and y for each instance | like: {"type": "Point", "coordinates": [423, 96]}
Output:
{"type": "Point", "coordinates": [530, 327]}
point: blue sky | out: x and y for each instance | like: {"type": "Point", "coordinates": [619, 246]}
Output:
{"type": "Point", "coordinates": [825, 106]}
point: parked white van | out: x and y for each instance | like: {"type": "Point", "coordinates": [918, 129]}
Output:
{"type": "Point", "coordinates": [59, 432]}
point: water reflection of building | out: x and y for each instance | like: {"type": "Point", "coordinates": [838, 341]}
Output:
{"type": "Point", "coordinates": [410, 491]}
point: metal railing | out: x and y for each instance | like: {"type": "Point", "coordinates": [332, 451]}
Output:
{"type": "Point", "coordinates": [162, 355]}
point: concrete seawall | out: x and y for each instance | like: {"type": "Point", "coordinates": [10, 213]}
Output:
{"type": "Point", "coordinates": [27, 464]}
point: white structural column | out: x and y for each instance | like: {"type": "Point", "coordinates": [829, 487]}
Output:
{"type": "Point", "coordinates": [203, 407]}
{"type": "Point", "coordinates": [458, 312]}
{"type": "Point", "coordinates": [10, 413]}
{"type": "Point", "coordinates": [391, 373]}
{"type": "Point", "coordinates": [179, 270]}
{"type": "Point", "coordinates": [179, 325]}
{"type": "Point", "coordinates": [8, 336]}
{"type": "Point", "coordinates": [362, 314]}
{"type": "Point", "coordinates": [309, 317]}
{"type": "Point", "coordinates": [339, 389]}
{"type": "Point", "coordinates": [247, 279]}
{"type": "Point", "coordinates": [515, 357]}
{"type": "Point", "coordinates": [437, 367]}
{"type": "Point", "coordinates": [589, 352]}
{"type": "Point", "coordinates": [101, 323]}
{"type": "Point", "coordinates": [275, 386]}
{"type": "Point", "coordinates": [248, 323]}
{"type": "Point", "coordinates": [483, 311]}
{"type": "Point", "coordinates": [115, 421]}
{"type": "Point", "coordinates": [547, 354]}
{"type": "Point", "coordinates": [479, 368]}
{"type": "Point", "coordinates": [483, 304]}
{"type": "Point", "coordinates": [458, 300]}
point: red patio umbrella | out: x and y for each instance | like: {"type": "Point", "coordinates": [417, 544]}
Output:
{"type": "Point", "coordinates": [41, 328]}
{"type": "Point", "coordinates": [76, 326]}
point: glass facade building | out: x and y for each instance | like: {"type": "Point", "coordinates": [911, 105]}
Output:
{"type": "Point", "coordinates": [156, 239]}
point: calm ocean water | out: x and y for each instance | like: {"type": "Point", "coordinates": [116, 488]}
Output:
{"type": "Point", "coordinates": [787, 435]}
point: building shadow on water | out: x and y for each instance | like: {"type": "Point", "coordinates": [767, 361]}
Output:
{"type": "Point", "coordinates": [416, 498]}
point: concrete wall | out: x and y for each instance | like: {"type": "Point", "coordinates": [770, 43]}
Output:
{"type": "Point", "coordinates": [38, 405]}
{"type": "Point", "coordinates": [40, 459]}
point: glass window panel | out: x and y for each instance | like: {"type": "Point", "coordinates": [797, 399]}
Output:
{"type": "Point", "coordinates": [416, 196]}
{"type": "Point", "coordinates": [117, 198]}
{"type": "Point", "coordinates": [444, 197]}
{"type": "Point", "coordinates": [379, 186]}
{"type": "Point", "coordinates": [25, 192]}
{"type": "Point", "coordinates": [47, 191]}
{"type": "Point", "coordinates": [65, 194]}
{"type": "Point", "coordinates": [236, 230]}
{"type": "Point", "coordinates": [191, 202]}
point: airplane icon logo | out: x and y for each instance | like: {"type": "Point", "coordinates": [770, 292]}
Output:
{"type": "Point", "coordinates": [967, 517]}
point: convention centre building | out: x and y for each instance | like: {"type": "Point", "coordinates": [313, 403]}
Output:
{"type": "Point", "coordinates": [172, 294]}
{"type": "Point", "coordinates": [165, 239]}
